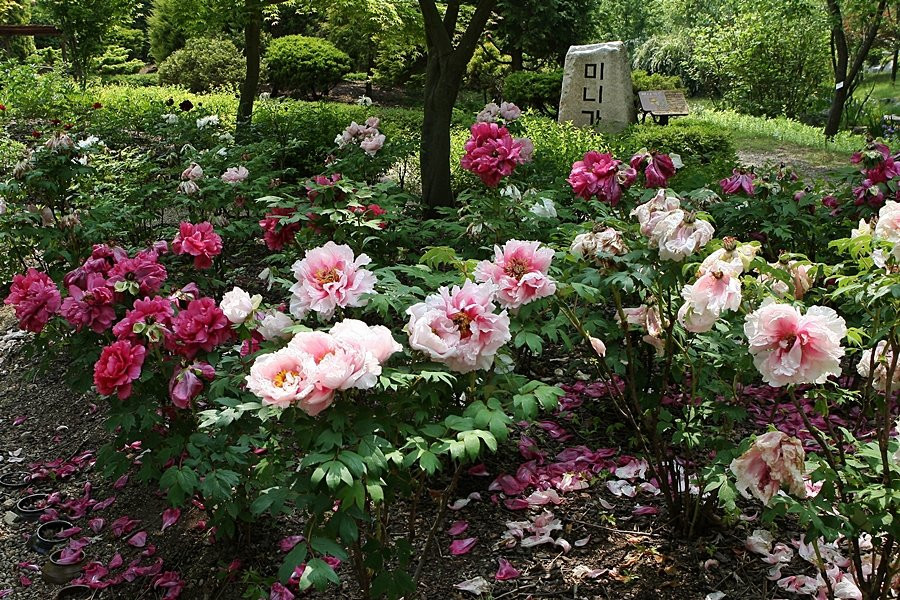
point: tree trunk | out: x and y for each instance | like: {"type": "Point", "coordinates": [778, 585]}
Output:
{"type": "Point", "coordinates": [833, 125]}
{"type": "Point", "coordinates": [252, 35]}
{"type": "Point", "coordinates": [440, 96]}
{"type": "Point", "coordinates": [894, 64]}
{"type": "Point", "coordinates": [370, 70]}
{"type": "Point", "coordinates": [518, 59]}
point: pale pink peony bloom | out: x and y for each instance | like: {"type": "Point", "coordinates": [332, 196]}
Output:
{"type": "Point", "coordinates": [888, 226]}
{"type": "Point", "coordinates": [366, 136]}
{"type": "Point", "coordinates": [458, 327]}
{"type": "Point", "coordinates": [329, 277]}
{"type": "Point", "coordinates": [680, 234]}
{"type": "Point", "coordinates": [654, 210]}
{"type": "Point", "coordinates": [882, 362]}
{"type": "Point", "coordinates": [235, 175]}
{"type": "Point", "coordinates": [607, 241]}
{"type": "Point", "coordinates": [238, 305]}
{"type": "Point", "coordinates": [273, 325]}
{"type": "Point", "coordinates": [735, 261]}
{"type": "Point", "coordinates": [372, 144]}
{"type": "Point", "coordinates": [598, 346]}
{"type": "Point", "coordinates": [376, 339]}
{"type": "Point", "coordinates": [519, 272]}
{"type": "Point", "coordinates": [509, 111]}
{"type": "Point", "coordinates": [791, 348]}
{"type": "Point", "coordinates": [284, 377]}
{"type": "Point", "coordinates": [488, 114]}
{"type": "Point", "coordinates": [775, 461]}
{"type": "Point", "coordinates": [705, 300]}
{"type": "Point", "coordinates": [193, 173]}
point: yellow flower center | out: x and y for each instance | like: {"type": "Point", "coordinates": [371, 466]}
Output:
{"type": "Point", "coordinates": [327, 276]}
{"type": "Point", "coordinates": [462, 321]}
{"type": "Point", "coordinates": [516, 268]}
{"type": "Point", "coordinates": [281, 377]}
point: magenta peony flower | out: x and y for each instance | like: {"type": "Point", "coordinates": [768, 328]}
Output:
{"type": "Point", "coordinates": [492, 153]}
{"type": "Point", "coordinates": [659, 168]}
{"type": "Point", "coordinates": [325, 181]}
{"type": "Point", "coordinates": [235, 175]}
{"type": "Point", "coordinates": [278, 234]}
{"type": "Point", "coordinates": [118, 366]}
{"type": "Point", "coordinates": [35, 298]}
{"type": "Point", "coordinates": [739, 180]}
{"type": "Point", "coordinates": [200, 241]}
{"type": "Point", "coordinates": [279, 592]}
{"type": "Point", "coordinates": [601, 176]}
{"type": "Point", "coordinates": [102, 259]}
{"type": "Point", "coordinates": [773, 462]}
{"type": "Point", "coordinates": [90, 307]}
{"type": "Point", "coordinates": [519, 271]}
{"type": "Point", "coordinates": [200, 326]}
{"type": "Point", "coordinates": [186, 384]}
{"type": "Point", "coordinates": [458, 327]}
{"type": "Point", "coordinates": [142, 274]}
{"type": "Point", "coordinates": [147, 312]}
{"type": "Point", "coordinates": [329, 277]}
{"type": "Point", "coordinates": [790, 348]}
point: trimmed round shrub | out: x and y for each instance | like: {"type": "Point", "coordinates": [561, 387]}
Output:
{"type": "Point", "coordinates": [204, 64]}
{"type": "Point", "coordinates": [307, 66]}
{"type": "Point", "coordinates": [534, 90]}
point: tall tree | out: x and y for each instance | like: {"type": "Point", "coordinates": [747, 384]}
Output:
{"type": "Point", "coordinates": [847, 58]}
{"type": "Point", "coordinates": [446, 67]}
{"type": "Point", "coordinates": [253, 16]}
{"type": "Point", "coordinates": [542, 29]}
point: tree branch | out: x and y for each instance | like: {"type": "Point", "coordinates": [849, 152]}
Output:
{"type": "Point", "coordinates": [476, 27]}
{"type": "Point", "coordinates": [451, 17]}
{"type": "Point", "coordinates": [866, 45]}
{"type": "Point", "coordinates": [434, 27]}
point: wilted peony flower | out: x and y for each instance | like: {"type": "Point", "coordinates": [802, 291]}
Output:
{"type": "Point", "coordinates": [277, 232]}
{"type": "Point", "coordinates": [59, 142]}
{"type": "Point", "coordinates": [648, 318]}
{"type": "Point", "coordinates": [329, 277]}
{"type": "Point", "coordinates": [238, 305]}
{"type": "Point", "coordinates": [601, 176]}
{"type": "Point", "coordinates": [273, 325]}
{"type": "Point", "coordinates": [210, 121]}
{"type": "Point", "coordinates": [882, 363]}
{"type": "Point", "coordinates": [790, 348]}
{"type": "Point", "coordinates": [774, 462]}
{"type": "Point", "coordinates": [118, 366]}
{"type": "Point", "coordinates": [188, 188]}
{"type": "Point", "coordinates": [509, 111]}
{"type": "Point", "coordinates": [800, 281]}
{"type": "Point", "coordinates": [35, 298]}
{"type": "Point", "coordinates": [170, 119]}
{"type": "Point", "coordinates": [2, 205]}
{"type": "Point", "coordinates": [199, 241]}
{"type": "Point", "coordinates": [193, 173]}
{"type": "Point", "coordinates": [488, 114]}
{"type": "Point", "coordinates": [589, 245]}
{"type": "Point", "coordinates": [740, 180]}
{"type": "Point", "coordinates": [492, 153]}
{"type": "Point", "coordinates": [458, 327]}
{"type": "Point", "coordinates": [519, 272]}
{"type": "Point", "coordinates": [705, 300]}
{"type": "Point", "coordinates": [734, 258]}
{"type": "Point", "coordinates": [659, 168]}
{"type": "Point", "coordinates": [235, 175]}
{"type": "Point", "coordinates": [654, 210]}
{"type": "Point", "coordinates": [680, 234]}
{"type": "Point", "coordinates": [90, 307]}
{"type": "Point", "coordinates": [186, 383]}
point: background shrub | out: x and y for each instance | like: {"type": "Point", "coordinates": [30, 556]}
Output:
{"type": "Point", "coordinates": [204, 64]}
{"type": "Point", "coordinates": [15, 12]}
{"type": "Point", "coordinates": [667, 54]}
{"type": "Point", "coordinates": [641, 80]}
{"type": "Point", "coordinates": [115, 61]}
{"type": "Point", "coordinates": [309, 66]}
{"type": "Point", "coordinates": [539, 91]}
{"type": "Point", "coordinates": [173, 22]}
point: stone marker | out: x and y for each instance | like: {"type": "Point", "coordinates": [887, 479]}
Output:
{"type": "Point", "coordinates": [596, 89]}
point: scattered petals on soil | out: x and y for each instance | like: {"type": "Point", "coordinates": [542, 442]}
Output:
{"type": "Point", "coordinates": [169, 517]}
{"type": "Point", "coordinates": [138, 540]}
{"type": "Point", "coordinates": [477, 586]}
{"type": "Point", "coordinates": [506, 571]}
{"type": "Point", "coordinates": [287, 544]}
{"type": "Point", "coordinates": [458, 547]}
{"type": "Point", "coordinates": [458, 527]}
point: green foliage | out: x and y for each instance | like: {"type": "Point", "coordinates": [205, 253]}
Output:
{"type": "Point", "coordinates": [308, 66]}
{"type": "Point", "coordinates": [173, 22]}
{"type": "Point", "coordinates": [204, 64]}
{"type": "Point", "coordinates": [114, 61]}
{"type": "Point", "coordinates": [486, 70]}
{"type": "Point", "coordinates": [543, 29]}
{"type": "Point", "coordinates": [667, 54]}
{"type": "Point", "coordinates": [134, 40]}
{"type": "Point", "coordinates": [36, 90]}
{"type": "Point", "coordinates": [641, 80]}
{"type": "Point", "coordinates": [538, 90]}
{"type": "Point", "coordinates": [15, 12]}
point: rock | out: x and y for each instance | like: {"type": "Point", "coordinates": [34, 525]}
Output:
{"type": "Point", "coordinates": [597, 89]}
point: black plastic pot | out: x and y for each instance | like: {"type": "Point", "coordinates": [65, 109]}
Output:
{"type": "Point", "coordinates": [58, 574]}
{"type": "Point", "coordinates": [27, 508]}
{"type": "Point", "coordinates": [14, 480]}
{"type": "Point", "coordinates": [76, 592]}
{"type": "Point", "coordinates": [45, 538]}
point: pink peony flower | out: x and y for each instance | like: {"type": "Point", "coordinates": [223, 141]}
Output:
{"type": "Point", "coordinates": [325, 181]}
{"type": "Point", "coordinates": [519, 271]}
{"type": "Point", "coordinates": [102, 259]}
{"type": "Point", "coordinates": [235, 175]}
{"type": "Point", "coordinates": [739, 181]}
{"type": "Point", "coordinates": [680, 234]}
{"type": "Point", "coordinates": [142, 274]}
{"type": "Point", "coordinates": [330, 277]}
{"type": "Point", "coordinates": [186, 384]}
{"type": "Point", "coordinates": [118, 366]}
{"type": "Point", "coordinates": [90, 307]}
{"type": "Point", "coordinates": [774, 462]}
{"type": "Point", "coordinates": [278, 234]}
{"type": "Point", "coordinates": [200, 241]}
{"type": "Point", "coordinates": [492, 153]}
{"type": "Point", "coordinates": [509, 111]}
{"type": "Point", "coordinates": [488, 114]}
{"type": "Point", "coordinates": [375, 339]}
{"type": "Point", "coordinates": [287, 377]}
{"type": "Point", "coordinates": [201, 326]}
{"type": "Point", "coordinates": [705, 300]}
{"type": "Point", "coordinates": [193, 173]}
{"type": "Point", "coordinates": [146, 314]}
{"type": "Point", "coordinates": [601, 176]}
{"type": "Point", "coordinates": [790, 348]}
{"type": "Point", "coordinates": [659, 168]}
{"type": "Point", "coordinates": [881, 362]}
{"type": "Point", "coordinates": [458, 327]}
{"type": "Point", "coordinates": [35, 298]}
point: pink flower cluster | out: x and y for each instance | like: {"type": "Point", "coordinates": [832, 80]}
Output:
{"type": "Point", "coordinates": [330, 277]}
{"type": "Point", "coordinates": [315, 365]}
{"type": "Point", "coordinates": [879, 168]}
{"type": "Point", "coordinates": [740, 180]}
{"type": "Point", "coordinates": [774, 462]}
{"type": "Point", "coordinates": [519, 272]}
{"type": "Point", "coordinates": [366, 136]}
{"type": "Point", "coordinates": [492, 153]}
{"type": "Point", "coordinates": [36, 299]}
{"type": "Point", "coordinates": [458, 327]}
{"type": "Point", "coordinates": [199, 241]}
{"type": "Point", "coordinates": [235, 175]}
{"type": "Point", "coordinates": [658, 168]}
{"type": "Point", "coordinates": [676, 233]}
{"type": "Point", "coordinates": [792, 348]}
{"type": "Point", "coordinates": [601, 176]}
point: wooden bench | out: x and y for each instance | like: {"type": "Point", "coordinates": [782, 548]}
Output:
{"type": "Point", "coordinates": [662, 104]}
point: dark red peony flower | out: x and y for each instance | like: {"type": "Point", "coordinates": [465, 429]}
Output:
{"type": "Point", "coordinates": [118, 366]}
{"type": "Point", "coordinates": [35, 298]}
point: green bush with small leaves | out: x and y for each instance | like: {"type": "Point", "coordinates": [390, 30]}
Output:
{"type": "Point", "coordinates": [204, 64]}
{"type": "Point", "coordinates": [539, 91]}
{"type": "Point", "coordinates": [308, 66]}
{"type": "Point", "coordinates": [642, 80]}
